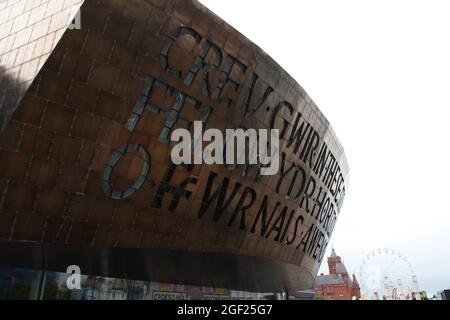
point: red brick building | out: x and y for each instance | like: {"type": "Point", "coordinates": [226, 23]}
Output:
{"type": "Point", "coordinates": [336, 285]}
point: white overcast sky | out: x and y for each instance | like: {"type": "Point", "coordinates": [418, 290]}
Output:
{"type": "Point", "coordinates": [380, 72]}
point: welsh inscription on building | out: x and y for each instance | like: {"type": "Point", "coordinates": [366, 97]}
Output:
{"type": "Point", "coordinates": [310, 182]}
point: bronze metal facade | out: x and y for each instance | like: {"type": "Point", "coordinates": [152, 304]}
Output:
{"type": "Point", "coordinates": [85, 171]}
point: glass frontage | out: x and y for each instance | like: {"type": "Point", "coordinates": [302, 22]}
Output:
{"type": "Point", "coordinates": [27, 284]}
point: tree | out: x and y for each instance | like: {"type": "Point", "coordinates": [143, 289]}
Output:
{"type": "Point", "coordinates": [319, 296]}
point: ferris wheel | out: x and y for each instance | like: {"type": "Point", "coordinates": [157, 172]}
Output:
{"type": "Point", "coordinates": [387, 274]}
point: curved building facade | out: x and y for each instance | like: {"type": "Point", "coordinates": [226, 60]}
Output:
{"type": "Point", "coordinates": [90, 94]}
